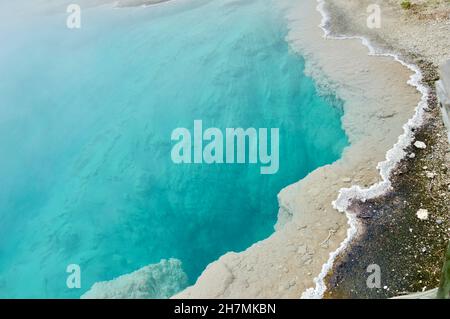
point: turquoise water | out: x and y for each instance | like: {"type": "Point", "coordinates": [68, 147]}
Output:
{"type": "Point", "coordinates": [85, 123]}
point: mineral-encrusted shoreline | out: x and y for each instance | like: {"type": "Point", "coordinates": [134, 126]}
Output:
{"type": "Point", "coordinates": [409, 251]}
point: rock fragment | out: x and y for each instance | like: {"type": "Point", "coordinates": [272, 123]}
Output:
{"type": "Point", "coordinates": [422, 214]}
{"type": "Point", "coordinates": [420, 145]}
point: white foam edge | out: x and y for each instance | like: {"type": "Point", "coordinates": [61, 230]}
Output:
{"type": "Point", "coordinates": [393, 157]}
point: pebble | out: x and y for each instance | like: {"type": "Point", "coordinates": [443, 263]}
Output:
{"type": "Point", "coordinates": [420, 145]}
{"type": "Point", "coordinates": [422, 214]}
{"type": "Point", "coordinates": [431, 174]}
{"type": "Point", "coordinates": [347, 180]}
{"type": "Point", "coordinates": [412, 155]}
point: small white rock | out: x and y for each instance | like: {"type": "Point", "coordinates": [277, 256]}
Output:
{"type": "Point", "coordinates": [431, 174]}
{"type": "Point", "coordinates": [412, 155]}
{"type": "Point", "coordinates": [422, 214]}
{"type": "Point", "coordinates": [420, 145]}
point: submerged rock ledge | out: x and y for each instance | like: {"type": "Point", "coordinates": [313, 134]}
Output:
{"type": "Point", "coordinates": [155, 281]}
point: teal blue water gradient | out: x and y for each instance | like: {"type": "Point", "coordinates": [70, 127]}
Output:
{"type": "Point", "coordinates": [85, 123]}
